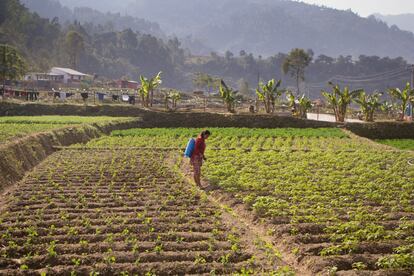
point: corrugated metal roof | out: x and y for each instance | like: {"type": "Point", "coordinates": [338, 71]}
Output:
{"type": "Point", "coordinates": [68, 71]}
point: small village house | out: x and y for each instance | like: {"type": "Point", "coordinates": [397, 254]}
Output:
{"type": "Point", "coordinates": [69, 75]}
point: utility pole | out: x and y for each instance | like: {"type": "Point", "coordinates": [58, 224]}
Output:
{"type": "Point", "coordinates": [4, 70]}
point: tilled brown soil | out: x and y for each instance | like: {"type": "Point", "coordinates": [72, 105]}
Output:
{"type": "Point", "coordinates": [115, 212]}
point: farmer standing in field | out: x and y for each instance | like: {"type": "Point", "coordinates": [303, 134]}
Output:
{"type": "Point", "coordinates": [198, 157]}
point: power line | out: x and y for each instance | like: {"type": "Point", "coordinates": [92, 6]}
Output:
{"type": "Point", "coordinates": [349, 79]}
{"type": "Point", "coordinates": [373, 75]}
{"type": "Point", "coordinates": [385, 77]}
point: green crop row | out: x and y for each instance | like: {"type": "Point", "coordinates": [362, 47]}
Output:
{"type": "Point", "coordinates": [233, 142]}
{"type": "Point", "coordinates": [233, 138]}
{"type": "Point", "coordinates": [9, 131]}
{"type": "Point", "coordinates": [355, 192]}
{"type": "Point", "coordinates": [20, 126]}
{"type": "Point", "coordinates": [235, 132]}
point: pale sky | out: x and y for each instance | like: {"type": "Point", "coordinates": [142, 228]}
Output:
{"type": "Point", "coordinates": [368, 7]}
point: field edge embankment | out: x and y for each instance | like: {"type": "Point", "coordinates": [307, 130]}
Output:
{"type": "Point", "coordinates": [382, 130]}
{"type": "Point", "coordinates": [20, 156]}
{"type": "Point", "coordinates": [150, 118]}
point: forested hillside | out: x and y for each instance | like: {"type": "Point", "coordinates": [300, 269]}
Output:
{"type": "Point", "coordinates": [89, 16]}
{"type": "Point", "coordinates": [102, 51]}
{"type": "Point", "coordinates": [269, 26]}
{"type": "Point", "coordinates": [107, 53]}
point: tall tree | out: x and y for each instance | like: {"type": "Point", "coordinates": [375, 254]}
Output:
{"type": "Point", "coordinates": [74, 43]}
{"type": "Point", "coordinates": [12, 64]}
{"type": "Point", "coordinates": [295, 64]}
{"type": "Point", "coordinates": [128, 39]}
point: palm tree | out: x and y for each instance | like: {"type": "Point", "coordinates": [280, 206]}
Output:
{"type": "Point", "coordinates": [369, 104]}
{"type": "Point", "coordinates": [340, 100]}
{"type": "Point", "coordinates": [404, 97]}
{"type": "Point", "coordinates": [268, 93]}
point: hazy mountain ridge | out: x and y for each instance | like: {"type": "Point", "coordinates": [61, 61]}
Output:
{"type": "Point", "coordinates": [403, 21]}
{"type": "Point", "coordinates": [267, 27]}
{"type": "Point", "coordinates": [84, 14]}
{"type": "Point", "coordinates": [100, 5]}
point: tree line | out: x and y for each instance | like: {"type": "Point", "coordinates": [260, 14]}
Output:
{"type": "Point", "coordinates": [109, 54]}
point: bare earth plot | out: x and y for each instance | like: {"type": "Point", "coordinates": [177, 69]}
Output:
{"type": "Point", "coordinates": [123, 212]}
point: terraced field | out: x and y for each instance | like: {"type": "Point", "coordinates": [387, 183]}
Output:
{"type": "Point", "coordinates": [118, 212]}
{"type": "Point", "coordinates": [338, 204]}
{"type": "Point", "coordinates": [20, 126]}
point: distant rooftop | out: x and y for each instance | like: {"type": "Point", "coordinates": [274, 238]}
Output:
{"type": "Point", "coordinates": [67, 71]}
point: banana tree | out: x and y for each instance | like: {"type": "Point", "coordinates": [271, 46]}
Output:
{"type": "Point", "coordinates": [268, 93]}
{"type": "Point", "coordinates": [175, 96]}
{"type": "Point", "coordinates": [404, 97]}
{"type": "Point", "coordinates": [143, 91]}
{"type": "Point", "coordinates": [147, 89]}
{"type": "Point", "coordinates": [292, 102]}
{"type": "Point", "coordinates": [228, 95]}
{"type": "Point", "coordinates": [388, 109]}
{"type": "Point", "coordinates": [171, 95]}
{"type": "Point", "coordinates": [300, 106]}
{"type": "Point", "coordinates": [369, 104]}
{"type": "Point", "coordinates": [304, 105]}
{"type": "Point", "coordinates": [340, 100]}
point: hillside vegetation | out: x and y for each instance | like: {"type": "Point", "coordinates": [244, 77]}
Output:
{"type": "Point", "coordinates": [109, 51]}
{"type": "Point", "coordinates": [268, 26]}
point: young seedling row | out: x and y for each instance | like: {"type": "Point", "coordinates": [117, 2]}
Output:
{"type": "Point", "coordinates": [115, 213]}
{"type": "Point", "coordinates": [337, 211]}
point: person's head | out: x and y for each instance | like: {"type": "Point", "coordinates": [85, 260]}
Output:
{"type": "Point", "coordinates": [205, 134]}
